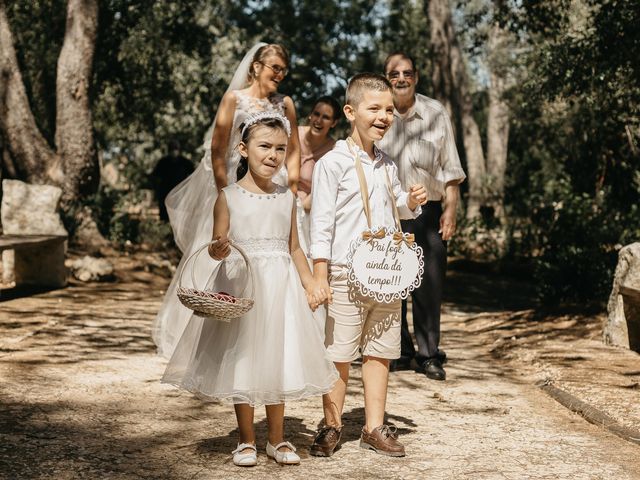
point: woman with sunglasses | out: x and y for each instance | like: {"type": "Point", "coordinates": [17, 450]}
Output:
{"type": "Point", "coordinates": [253, 89]}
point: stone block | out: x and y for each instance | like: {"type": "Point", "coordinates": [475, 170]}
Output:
{"type": "Point", "coordinates": [8, 260]}
{"type": "Point", "coordinates": [622, 327]}
{"type": "Point", "coordinates": [29, 210]}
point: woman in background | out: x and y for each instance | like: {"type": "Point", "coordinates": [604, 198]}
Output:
{"type": "Point", "coordinates": [315, 141]}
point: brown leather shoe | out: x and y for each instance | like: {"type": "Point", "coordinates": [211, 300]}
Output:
{"type": "Point", "coordinates": [382, 440]}
{"type": "Point", "coordinates": [326, 441]}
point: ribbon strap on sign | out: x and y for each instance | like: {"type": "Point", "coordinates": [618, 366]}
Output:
{"type": "Point", "coordinates": [396, 214]}
{"type": "Point", "coordinates": [364, 191]}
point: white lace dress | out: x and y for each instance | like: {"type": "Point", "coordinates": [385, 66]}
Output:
{"type": "Point", "coordinates": [190, 208]}
{"type": "Point", "coordinates": [275, 353]}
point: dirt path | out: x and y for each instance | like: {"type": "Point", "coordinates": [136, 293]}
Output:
{"type": "Point", "coordinates": [80, 398]}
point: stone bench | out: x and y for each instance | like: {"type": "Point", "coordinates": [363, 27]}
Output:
{"type": "Point", "coordinates": [631, 301]}
{"type": "Point", "coordinates": [38, 259]}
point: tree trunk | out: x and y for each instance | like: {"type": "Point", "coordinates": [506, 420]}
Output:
{"type": "Point", "coordinates": [3, 87]}
{"type": "Point", "coordinates": [451, 87]}
{"type": "Point", "coordinates": [28, 148]}
{"type": "Point", "coordinates": [497, 122]}
{"type": "Point", "coordinates": [475, 161]}
{"type": "Point", "coordinates": [441, 36]}
{"type": "Point", "coordinates": [73, 165]}
{"type": "Point", "coordinates": [74, 127]}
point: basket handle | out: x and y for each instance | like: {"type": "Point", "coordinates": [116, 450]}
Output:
{"type": "Point", "coordinates": [195, 254]}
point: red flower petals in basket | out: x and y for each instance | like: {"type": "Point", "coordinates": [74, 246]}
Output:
{"type": "Point", "coordinates": [217, 305]}
{"type": "Point", "coordinates": [224, 297]}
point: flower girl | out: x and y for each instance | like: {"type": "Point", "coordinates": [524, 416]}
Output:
{"type": "Point", "coordinates": [275, 352]}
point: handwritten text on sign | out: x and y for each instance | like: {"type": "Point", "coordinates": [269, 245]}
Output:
{"type": "Point", "coordinates": [385, 269]}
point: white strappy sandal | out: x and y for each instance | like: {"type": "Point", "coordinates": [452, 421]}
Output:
{"type": "Point", "coordinates": [242, 459]}
{"type": "Point", "coordinates": [283, 458]}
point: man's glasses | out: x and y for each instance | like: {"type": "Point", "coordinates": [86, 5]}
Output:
{"type": "Point", "coordinates": [394, 74]}
{"type": "Point", "coordinates": [277, 69]}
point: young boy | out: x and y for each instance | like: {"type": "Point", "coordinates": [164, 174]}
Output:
{"type": "Point", "coordinates": [356, 324]}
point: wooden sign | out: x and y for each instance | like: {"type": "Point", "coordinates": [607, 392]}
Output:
{"type": "Point", "coordinates": [386, 264]}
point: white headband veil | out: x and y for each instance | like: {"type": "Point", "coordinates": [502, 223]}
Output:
{"type": "Point", "coordinates": [190, 209]}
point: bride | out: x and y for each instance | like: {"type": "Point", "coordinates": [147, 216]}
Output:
{"type": "Point", "coordinates": [254, 88]}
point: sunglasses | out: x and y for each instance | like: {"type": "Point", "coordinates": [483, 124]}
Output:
{"type": "Point", "coordinates": [277, 69]}
{"type": "Point", "coordinates": [394, 74]}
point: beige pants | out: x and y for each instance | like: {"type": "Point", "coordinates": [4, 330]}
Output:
{"type": "Point", "coordinates": [359, 325]}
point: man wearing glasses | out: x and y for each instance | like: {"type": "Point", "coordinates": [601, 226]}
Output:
{"type": "Point", "coordinates": [422, 144]}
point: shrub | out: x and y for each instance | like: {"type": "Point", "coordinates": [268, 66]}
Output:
{"type": "Point", "coordinates": [573, 241]}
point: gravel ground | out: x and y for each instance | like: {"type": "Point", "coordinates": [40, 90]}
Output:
{"type": "Point", "coordinates": [80, 398]}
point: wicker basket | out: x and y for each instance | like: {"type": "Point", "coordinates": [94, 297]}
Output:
{"type": "Point", "coordinates": [211, 304]}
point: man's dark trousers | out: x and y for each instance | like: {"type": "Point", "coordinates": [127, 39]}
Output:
{"type": "Point", "coordinates": [427, 298]}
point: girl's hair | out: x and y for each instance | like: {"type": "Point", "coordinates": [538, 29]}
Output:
{"type": "Point", "coordinates": [271, 122]}
{"type": "Point", "coordinates": [263, 52]}
{"type": "Point", "coordinates": [332, 102]}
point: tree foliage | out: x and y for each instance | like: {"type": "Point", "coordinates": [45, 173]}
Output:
{"type": "Point", "coordinates": [574, 160]}
{"type": "Point", "coordinates": [161, 68]}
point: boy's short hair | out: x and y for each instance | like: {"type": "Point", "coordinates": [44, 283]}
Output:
{"type": "Point", "coordinates": [362, 82]}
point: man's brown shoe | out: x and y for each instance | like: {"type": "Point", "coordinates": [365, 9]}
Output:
{"type": "Point", "coordinates": [382, 440]}
{"type": "Point", "coordinates": [326, 441]}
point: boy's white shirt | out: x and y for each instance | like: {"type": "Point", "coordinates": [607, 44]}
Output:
{"type": "Point", "coordinates": [337, 213]}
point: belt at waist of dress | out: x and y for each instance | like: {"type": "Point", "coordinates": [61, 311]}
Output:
{"type": "Point", "coordinates": [263, 245]}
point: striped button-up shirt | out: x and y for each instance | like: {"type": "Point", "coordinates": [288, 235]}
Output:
{"type": "Point", "coordinates": [422, 145]}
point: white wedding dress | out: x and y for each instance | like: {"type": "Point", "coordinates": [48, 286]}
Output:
{"type": "Point", "coordinates": [274, 353]}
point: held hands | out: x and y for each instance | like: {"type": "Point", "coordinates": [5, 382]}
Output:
{"type": "Point", "coordinates": [313, 302]}
{"type": "Point", "coordinates": [221, 249]}
{"type": "Point", "coordinates": [417, 196]}
{"type": "Point", "coordinates": [318, 292]}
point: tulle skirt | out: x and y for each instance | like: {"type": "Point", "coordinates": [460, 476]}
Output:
{"type": "Point", "coordinates": [190, 208]}
{"type": "Point", "coordinates": [273, 354]}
